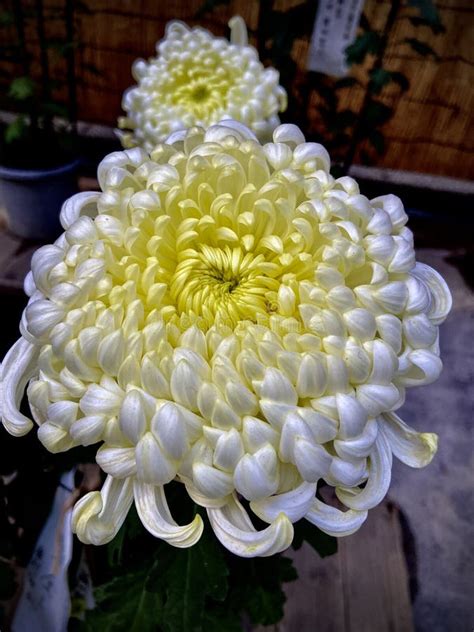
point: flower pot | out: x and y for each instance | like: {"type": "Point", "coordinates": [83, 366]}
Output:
{"type": "Point", "coordinates": [33, 198]}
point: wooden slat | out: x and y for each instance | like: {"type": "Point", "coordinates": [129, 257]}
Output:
{"type": "Point", "coordinates": [431, 129]}
{"type": "Point", "coordinates": [363, 588]}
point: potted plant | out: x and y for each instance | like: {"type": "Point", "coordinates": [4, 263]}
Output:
{"type": "Point", "coordinates": [38, 148]}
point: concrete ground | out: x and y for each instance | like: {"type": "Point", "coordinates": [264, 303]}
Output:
{"type": "Point", "coordinates": [438, 501]}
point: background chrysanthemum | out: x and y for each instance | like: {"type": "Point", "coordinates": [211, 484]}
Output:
{"type": "Point", "coordinates": [199, 79]}
{"type": "Point", "coordinates": [230, 316]}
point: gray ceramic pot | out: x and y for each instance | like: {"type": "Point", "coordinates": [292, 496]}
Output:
{"type": "Point", "coordinates": [33, 199]}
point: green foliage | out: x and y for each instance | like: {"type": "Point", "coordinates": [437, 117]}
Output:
{"type": "Point", "coordinates": [127, 602]}
{"type": "Point", "coordinates": [6, 18]}
{"type": "Point", "coordinates": [421, 48]}
{"type": "Point", "coordinates": [364, 44]}
{"type": "Point", "coordinates": [22, 88]}
{"type": "Point", "coordinates": [427, 9]}
{"type": "Point", "coordinates": [16, 129]}
{"type": "Point", "coordinates": [193, 574]}
{"type": "Point", "coordinates": [37, 100]}
{"type": "Point", "coordinates": [149, 586]}
{"type": "Point", "coordinates": [323, 544]}
{"type": "Point", "coordinates": [257, 587]}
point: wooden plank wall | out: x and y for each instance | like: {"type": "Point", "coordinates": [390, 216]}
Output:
{"type": "Point", "coordinates": [431, 131]}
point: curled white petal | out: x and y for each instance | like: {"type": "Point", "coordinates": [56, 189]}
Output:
{"type": "Point", "coordinates": [77, 205]}
{"type": "Point", "coordinates": [294, 504]}
{"type": "Point", "coordinates": [18, 367]}
{"type": "Point", "coordinates": [98, 516]}
{"type": "Point", "coordinates": [333, 521]}
{"type": "Point", "coordinates": [150, 501]}
{"type": "Point", "coordinates": [378, 482]}
{"type": "Point", "coordinates": [415, 449]}
{"type": "Point", "coordinates": [235, 531]}
{"type": "Point", "coordinates": [442, 300]}
{"type": "Point", "coordinates": [289, 134]}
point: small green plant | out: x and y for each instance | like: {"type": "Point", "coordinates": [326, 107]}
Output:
{"type": "Point", "coordinates": [42, 131]}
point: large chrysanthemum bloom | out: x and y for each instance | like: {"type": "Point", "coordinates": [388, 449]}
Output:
{"type": "Point", "coordinates": [199, 79]}
{"type": "Point", "coordinates": [229, 316]}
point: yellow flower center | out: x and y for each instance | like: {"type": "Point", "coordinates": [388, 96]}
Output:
{"type": "Point", "coordinates": [200, 90]}
{"type": "Point", "coordinates": [218, 240]}
{"type": "Point", "coordinates": [223, 285]}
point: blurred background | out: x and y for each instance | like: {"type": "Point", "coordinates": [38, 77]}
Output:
{"type": "Point", "coordinates": [398, 118]}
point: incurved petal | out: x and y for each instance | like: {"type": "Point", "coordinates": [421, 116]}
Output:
{"type": "Point", "coordinates": [333, 521]}
{"type": "Point", "coordinates": [80, 204]}
{"type": "Point", "coordinates": [441, 296]}
{"type": "Point", "coordinates": [415, 449]}
{"type": "Point", "coordinates": [236, 532]}
{"type": "Point", "coordinates": [238, 31]}
{"type": "Point", "coordinates": [150, 501]}
{"type": "Point", "coordinates": [425, 368]}
{"type": "Point", "coordinates": [98, 516]}
{"type": "Point", "coordinates": [199, 498]}
{"type": "Point", "coordinates": [380, 473]}
{"type": "Point", "coordinates": [17, 369]}
{"type": "Point", "coordinates": [118, 462]}
{"type": "Point", "coordinates": [294, 504]}
{"type": "Point", "coordinates": [228, 127]}
{"type": "Point", "coordinates": [358, 447]}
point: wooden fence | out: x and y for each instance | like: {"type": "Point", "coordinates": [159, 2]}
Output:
{"type": "Point", "coordinates": [431, 131]}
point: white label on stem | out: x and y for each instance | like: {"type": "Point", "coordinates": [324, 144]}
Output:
{"type": "Point", "coordinates": [334, 30]}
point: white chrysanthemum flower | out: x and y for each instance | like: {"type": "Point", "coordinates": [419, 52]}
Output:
{"type": "Point", "coordinates": [229, 316]}
{"type": "Point", "coordinates": [199, 79]}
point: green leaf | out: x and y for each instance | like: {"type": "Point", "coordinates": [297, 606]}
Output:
{"type": "Point", "coordinates": [377, 141]}
{"type": "Point", "coordinates": [221, 619]}
{"type": "Point", "coordinates": [436, 27]}
{"type": "Point", "coordinates": [54, 109]}
{"type": "Point", "coordinates": [322, 543]}
{"type": "Point", "coordinates": [129, 531]}
{"type": "Point", "coordinates": [261, 593]}
{"type": "Point", "coordinates": [6, 18]}
{"type": "Point", "coordinates": [427, 10]}
{"type": "Point", "coordinates": [379, 78]}
{"type": "Point", "coordinates": [22, 88]}
{"type": "Point", "coordinates": [128, 602]}
{"type": "Point", "coordinates": [377, 113]}
{"type": "Point", "coordinates": [421, 48]}
{"type": "Point", "coordinates": [367, 43]}
{"type": "Point", "coordinates": [62, 47]}
{"type": "Point", "coordinates": [16, 129]}
{"type": "Point", "coordinates": [194, 573]}
{"type": "Point", "coordinates": [256, 587]}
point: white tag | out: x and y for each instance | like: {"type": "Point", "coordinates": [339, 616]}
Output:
{"type": "Point", "coordinates": [334, 30]}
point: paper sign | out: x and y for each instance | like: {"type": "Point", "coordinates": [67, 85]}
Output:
{"type": "Point", "coordinates": [334, 30]}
